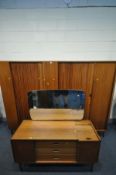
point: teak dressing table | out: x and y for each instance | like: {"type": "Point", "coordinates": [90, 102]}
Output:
{"type": "Point", "coordinates": [58, 136]}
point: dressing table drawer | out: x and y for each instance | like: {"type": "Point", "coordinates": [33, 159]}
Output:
{"type": "Point", "coordinates": [57, 151]}
{"type": "Point", "coordinates": [55, 144]}
{"type": "Point", "coordinates": [56, 157]}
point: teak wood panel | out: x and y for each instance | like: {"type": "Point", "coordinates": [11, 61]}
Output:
{"type": "Point", "coordinates": [55, 151]}
{"type": "Point", "coordinates": [77, 76]}
{"type": "Point", "coordinates": [73, 76]}
{"type": "Point", "coordinates": [88, 152]}
{"type": "Point", "coordinates": [45, 75]}
{"type": "Point", "coordinates": [32, 76]}
{"type": "Point", "coordinates": [48, 75]}
{"type": "Point", "coordinates": [56, 130]}
{"type": "Point", "coordinates": [25, 78]}
{"type": "Point", "coordinates": [8, 95]}
{"type": "Point", "coordinates": [103, 81]}
{"type": "Point", "coordinates": [23, 151]}
{"type": "Point", "coordinates": [56, 142]}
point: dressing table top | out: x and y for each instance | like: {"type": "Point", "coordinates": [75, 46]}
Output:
{"type": "Point", "coordinates": [56, 130]}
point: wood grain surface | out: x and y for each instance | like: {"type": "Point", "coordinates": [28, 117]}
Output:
{"type": "Point", "coordinates": [77, 76]}
{"type": "Point", "coordinates": [8, 95]}
{"type": "Point", "coordinates": [104, 74]}
{"type": "Point", "coordinates": [31, 76]}
{"type": "Point", "coordinates": [48, 75]}
{"type": "Point", "coordinates": [25, 78]}
{"type": "Point", "coordinates": [96, 79]}
{"type": "Point", "coordinates": [56, 130]}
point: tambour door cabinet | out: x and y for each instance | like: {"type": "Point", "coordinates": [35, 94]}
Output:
{"type": "Point", "coordinates": [55, 142]}
{"type": "Point", "coordinates": [77, 76]}
{"type": "Point", "coordinates": [50, 75]}
{"type": "Point", "coordinates": [31, 76]}
{"type": "Point", "coordinates": [96, 79]}
{"type": "Point", "coordinates": [25, 77]}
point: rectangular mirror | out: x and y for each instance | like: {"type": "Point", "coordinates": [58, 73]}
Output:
{"type": "Point", "coordinates": [56, 104]}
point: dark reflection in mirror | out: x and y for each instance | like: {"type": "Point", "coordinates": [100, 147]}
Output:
{"type": "Point", "coordinates": [71, 99]}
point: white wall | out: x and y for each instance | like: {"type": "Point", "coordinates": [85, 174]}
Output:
{"type": "Point", "coordinates": [2, 109]}
{"type": "Point", "coordinates": [58, 34]}
{"type": "Point", "coordinates": [53, 3]}
{"type": "Point", "coordinates": [113, 105]}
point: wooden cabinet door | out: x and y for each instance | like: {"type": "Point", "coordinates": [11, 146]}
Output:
{"type": "Point", "coordinates": [48, 75]}
{"type": "Point", "coordinates": [25, 78]}
{"type": "Point", "coordinates": [8, 95]}
{"type": "Point", "coordinates": [32, 76]}
{"type": "Point", "coordinates": [23, 151]}
{"type": "Point", "coordinates": [77, 76]}
{"type": "Point", "coordinates": [88, 152]}
{"type": "Point", "coordinates": [101, 94]}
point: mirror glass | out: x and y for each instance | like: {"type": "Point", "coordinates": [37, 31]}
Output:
{"type": "Point", "coordinates": [59, 103]}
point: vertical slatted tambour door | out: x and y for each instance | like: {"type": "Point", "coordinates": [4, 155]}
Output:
{"type": "Point", "coordinates": [25, 78]}
{"type": "Point", "coordinates": [77, 76]}
{"type": "Point", "coordinates": [32, 76]}
{"type": "Point", "coordinates": [48, 75]}
{"type": "Point", "coordinates": [96, 79]}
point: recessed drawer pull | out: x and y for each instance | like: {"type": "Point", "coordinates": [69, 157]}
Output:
{"type": "Point", "coordinates": [56, 151]}
{"type": "Point", "coordinates": [56, 158]}
{"type": "Point", "coordinates": [56, 143]}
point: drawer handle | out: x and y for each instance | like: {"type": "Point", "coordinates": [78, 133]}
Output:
{"type": "Point", "coordinates": [56, 143]}
{"type": "Point", "coordinates": [56, 158]}
{"type": "Point", "coordinates": [56, 151]}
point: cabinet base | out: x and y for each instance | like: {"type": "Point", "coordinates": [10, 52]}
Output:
{"type": "Point", "coordinates": [57, 167]}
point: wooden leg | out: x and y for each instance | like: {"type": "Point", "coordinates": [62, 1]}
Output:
{"type": "Point", "coordinates": [101, 133]}
{"type": "Point", "coordinates": [20, 167]}
{"type": "Point", "coordinates": [91, 167]}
